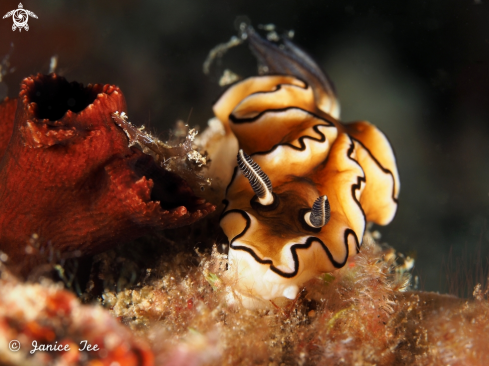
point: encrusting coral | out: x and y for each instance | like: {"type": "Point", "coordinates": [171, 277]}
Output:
{"type": "Point", "coordinates": [69, 176]}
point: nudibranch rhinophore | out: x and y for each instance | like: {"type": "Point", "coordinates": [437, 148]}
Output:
{"type": "Point", "coordinates": [304, 184]}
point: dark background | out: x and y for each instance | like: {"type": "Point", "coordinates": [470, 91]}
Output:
{"type": "Point", "coordinates": [417, 69]}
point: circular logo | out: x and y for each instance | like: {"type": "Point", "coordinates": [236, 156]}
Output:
{"type": "Point", "coordinates": [14, 345]}
{"type": "Point", "coordinates": [20, 18]}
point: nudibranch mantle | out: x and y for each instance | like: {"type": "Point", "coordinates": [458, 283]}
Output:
{"type": "Point", "coordinates": [290, 128]}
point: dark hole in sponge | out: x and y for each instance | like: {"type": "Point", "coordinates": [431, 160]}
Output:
{"type": "Point", "coordinates": [54, 96]}
{"type": "Point", "coordinates": [169, 188]}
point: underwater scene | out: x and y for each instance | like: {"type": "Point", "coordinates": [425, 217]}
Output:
{"type": "Point", "coordinates": [202, 182]}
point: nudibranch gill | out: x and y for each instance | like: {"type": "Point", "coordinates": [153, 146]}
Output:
{"type": "Point", "coordinates": [304, 184]}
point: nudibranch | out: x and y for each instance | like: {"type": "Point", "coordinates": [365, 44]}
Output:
{"type": "Point", "coordinates": [304, 184]}
{"type": "Point", "coordinates": [69, 175]}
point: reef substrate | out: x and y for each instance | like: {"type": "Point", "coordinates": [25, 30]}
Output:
{"type": "Point", "coordinates": [186, 314]}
